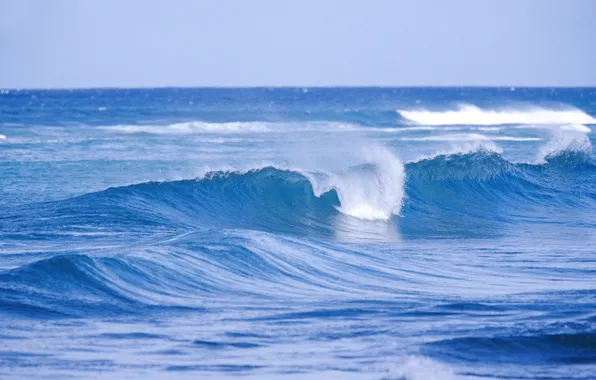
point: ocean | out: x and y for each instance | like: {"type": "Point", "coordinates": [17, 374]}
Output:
{"type": "Point", "coordinates": [298, 233]}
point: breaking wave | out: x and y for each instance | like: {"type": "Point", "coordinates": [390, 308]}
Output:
{"type": "Point", "coordinates": [449, 189]}
{"type": "Point", "coordinates": [472, 115]}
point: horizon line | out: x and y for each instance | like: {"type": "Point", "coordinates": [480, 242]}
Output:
{"type": "Point", "coordinates": [223, 87]}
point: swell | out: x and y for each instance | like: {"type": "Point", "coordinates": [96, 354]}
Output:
{"type": "Point", "coordinates": [94, 285]}
{"type": "Point", "coordinates": [176, 244]}
{"type": "Point", "coordinates": [195, 271]}
{"type": "Point", "coordinates": [571, 348]}
{"type": "Point", "coordinates": [441, 191]}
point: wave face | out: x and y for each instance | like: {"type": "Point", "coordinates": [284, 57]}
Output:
{"type": "Point", "coordinates": [310, 233]}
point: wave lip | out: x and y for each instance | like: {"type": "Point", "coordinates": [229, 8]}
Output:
{"type": "Point", "coordinates": [371, 191]}
{"type": "Point", "coordinates": [467, 114]}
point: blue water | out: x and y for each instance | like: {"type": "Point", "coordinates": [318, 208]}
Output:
{"type": "Point", "coordinates": [370, 233]}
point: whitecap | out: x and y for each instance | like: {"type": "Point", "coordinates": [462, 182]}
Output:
{"type": "Point", "coordinates": [565, 140]}
{"type": "Point", "coordinates": [238, 127]}
{"type": "Point", "coordinates": [469, 137]}
{"type": "Point", "coordinates": [467, 114]}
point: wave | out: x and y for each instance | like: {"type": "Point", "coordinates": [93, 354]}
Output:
{"type": "Point", "coordinates": [370, 191]}
{"type": "Point", "coordinates": [238, 127]}
{"type": "Point", "coordinates": [442, 195]}
{"type": "Point", "coordinates": [576, 128]}
{"type": "Point", "coordinates": [224, 221]}
{"type": "Point", "coordinates": [578, 348]}
{"type": "Point", "coordinates": [427, 128]}
{"type": "Point", "coordinates": [191, 271]}
{"type": "Point", "coordinates": [566, 146]}
{"type": "Point", "coordinates": [2, 137]}
{"type": "Point", "coordinates": [467, 114]}
{"type": "Point", "coordinates": [469, 137]}
{"type": "Point", "coordinates": [191, 127]}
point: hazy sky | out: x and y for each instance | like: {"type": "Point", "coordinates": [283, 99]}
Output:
{"type": "Point", "coordinates": [124, 43]}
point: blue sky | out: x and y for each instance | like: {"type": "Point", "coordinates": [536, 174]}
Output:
{"type": "Point", "coordinates": [140, 43]}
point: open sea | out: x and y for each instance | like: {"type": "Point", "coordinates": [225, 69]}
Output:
{"type": "Point", "coordinates": [298, 233]}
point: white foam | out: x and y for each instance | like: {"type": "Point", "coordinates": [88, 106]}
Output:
{"type": "Point", "coordinates": [576, 127]}
{"type": "Point", "coordinates": [469, 137]}
{"type": "Point", "coordinates": [421, 368]}
{"type": "Point", "coordinates": [229, 140]}
{"type": "Point", "coordinates": [566, 127]}
{"type": "Point", "coordinates": [190, 128]}
{"type": "Point", "coordinates": [237, 127]}
{"type": "Point", "coordinates": [463, 147]}
{"type": "Point", "coordinates": [102, 108]}
{"type": "Point", "coordinates": [373, 191]}
{"type": "Point", "coordinates": [368, 179]}
{"type": "Point", "coordinates": [565, 140]}
{"type": "Point", "coordinates": [427, 128]}
{"type": "Point", "coordinates": [2, 137]}
{"type": "Point", "coordinates": [467, 114]}
{"type": "Point", "coordinates": [365, 211]}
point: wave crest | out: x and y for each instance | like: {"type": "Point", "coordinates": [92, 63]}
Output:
{"type": "Point", "coordinates": [370, 191]}
{"type": "Point", "coordinates": [467, 114]}
{"type": "Point", "coordinates": [571, 147]}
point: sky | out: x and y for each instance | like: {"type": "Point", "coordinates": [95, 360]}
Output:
{"type": "Point", "coordinates": [155, 43]}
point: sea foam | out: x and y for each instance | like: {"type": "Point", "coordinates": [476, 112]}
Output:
{"type": "Point", "coordinates": [468, 137]}
{"type": "Point", "coordinates": [234, 127]}
{"type": "Point", "coordinates": [371, 191]}
{"type": "Point", "coordinates": [467, 114]}
{"type": "Point", "coordinates": [565, 141]}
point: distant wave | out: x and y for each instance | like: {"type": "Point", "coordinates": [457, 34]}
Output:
{"type": "Point", "coordinates": [238, 127]}
{"type": "Point", "coordinates": [191, 127]}
{"type": "Point", "coordinates": [576, 128]}
{"type": "Point", "coordinates": [427, 128]}
{"type": "Point", "coordinates": [472, 115]}
{"type": "Point", "coordinates": [469, 137]}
